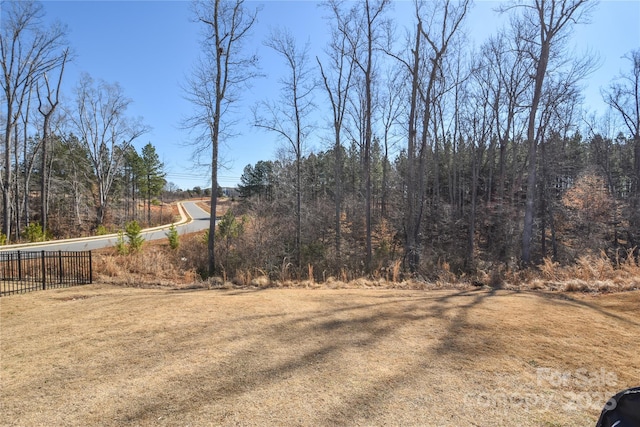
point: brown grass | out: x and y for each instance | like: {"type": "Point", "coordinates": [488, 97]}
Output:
{"type": "Point", "coordinates": [108, 355]}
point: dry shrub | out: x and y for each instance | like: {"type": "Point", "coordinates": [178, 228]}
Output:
{"type": "Point", "coordinates": [444, 273]}
{"type": "Point", "coordinates": [576, 285]}
{"type": "Point", "coordinates": [492, 274]}
{"type": "Point", "coordinates": [391, 273]}
{"type": "Point", "coordinates": [549, 269]}
{"type": "Point", "coordinates": [497, 277]}
{"type": "Point", "coordinates": [482, 277]}
{"type": "Point", "coordinates": [255, 278]}
{"type": "Point", "coordinates": [629, 265]}
{"type": "Point", "coordinates": [155, 265]}
{"type": "Point", "coordinates": [190, 276]}
{"type": "Point", "coordinates": [537, 284]}
{"type": "Point", "coordinates": [310, 273]}
{"type": "Point", "coordinates": [592, 268]}
{"type": "Point", "coordinates": [242, 278]}
{"type": "Point", "coordinates": [106, 265]}
{"type": "Point", "coordinates": [288, 284]}
{"type": "Point", "coordinates": [360, 283]}
{"type": "Point", "coordinates": [514, 279]}
{"type": "Point", "coordinates": [261, 281]}
{"type": "Point", "coordinates": [285, 270]}
{"type": "Point", "coordinates": [601, 273]}
{"type": "Point", "coordinates": [589, 274]}
{"type": "Point", "coordinates": [604, 286]}
{"type": "Point", "coordinates": [333, 283]}
{"type": "Point", "coordinates": [192, 253]}
{"type": "Point", "coordinates": [396, 270]}
{"type": "Point", "coordinates": [310, 284]}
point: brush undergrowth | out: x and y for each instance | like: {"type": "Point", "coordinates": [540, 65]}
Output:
{"type": "Point", "coordinates": [184, 266]}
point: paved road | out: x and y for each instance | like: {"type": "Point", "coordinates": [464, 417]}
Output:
{"type": "Point", "coordinates": [199, 221]}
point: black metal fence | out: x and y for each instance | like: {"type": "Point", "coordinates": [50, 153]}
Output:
{"type": "Point", "coordinates": [24, 271]}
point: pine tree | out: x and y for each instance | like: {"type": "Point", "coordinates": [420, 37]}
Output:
{"type": "Point", "coordinates": [153, 176]}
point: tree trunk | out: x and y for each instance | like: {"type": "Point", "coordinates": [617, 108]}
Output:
{"type": "Point", "coordinates": [298, 254]}
{"type": "Point", "coordinates": [472, 212]}
{"type": "Point", "coordinates": [149, 198]}
{"type": "Point", "coordinates": [527, 233]}
{"type": "Point", "coordinates": [367, 143]}
{"type": "Point", "coordinates": [338, 198]}
{"type": "Point", "coordinates": [214, 205]}
{"type": "Point", "coordinates": [7, 178]}
{"type": "Point", "coordinates": [44, 163]}
{"type": "Point", "coordinates": [411, 221]}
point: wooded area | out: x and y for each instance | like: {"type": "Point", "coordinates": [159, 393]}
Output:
{"type": "Point", "coordinates": [65, 166]}
{"type": "Point", "coordinates": [498, 165]}
{"type": "Point", "coordinates": [438, 155]}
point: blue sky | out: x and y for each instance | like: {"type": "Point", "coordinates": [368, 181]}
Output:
{"type": "Point", "coordinates": [150, 46]}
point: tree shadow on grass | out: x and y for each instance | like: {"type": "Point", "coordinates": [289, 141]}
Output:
{"type": "Point", "coordinates": [457, 337]}
{"type": "Point", "coordinates": [320, 340]}
{"type": "Point", "coordinates": [565, 298]}
{"type": "Point", "coordinates": [257, 352]}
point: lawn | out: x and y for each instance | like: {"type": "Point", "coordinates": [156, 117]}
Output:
{"type": "Point", "coordinates": [109, 355]}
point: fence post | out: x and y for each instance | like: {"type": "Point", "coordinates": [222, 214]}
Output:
{"type": "Point", "coordinates": [19, 267]}
{"type": "Point", "coordinates": [44, 273]}
{"type": "Point", "coordinates": [90, 269]}
{"type": "Point", "coordinates": [60, 273]}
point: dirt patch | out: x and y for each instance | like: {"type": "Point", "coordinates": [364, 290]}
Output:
{"type": "Point", "coordinates": [104, 355]}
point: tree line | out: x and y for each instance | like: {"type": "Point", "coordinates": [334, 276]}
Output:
{"type": "Point", "coordinates": [65, 166]}
{"type": "Point", "coordinates": [436, 152]}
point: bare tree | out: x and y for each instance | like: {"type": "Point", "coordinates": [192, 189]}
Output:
{"type": "Point", "coordinates": [557, 120]}
{"type": "Point", "coordinates": [392, 108]}
{"type": "Point", "coordinates": [337, 80]}
{"type": "Point", "coordinates": [28, 49]}
{"type": "Point", "coordinates": [364, 34]}
{"type": "Point", "coordinates": [545, 27]}
{"type": "Point", "coordinates": [508, 84]}
{"type": "Point", "coordinates": [105, 132]}
{"type": "Point", "coordinates": [413, 215]}
{"type": "Point", "coordinates": [623, 96]}
{"type": "Point", "coordinates": [474, 102]}
{"type": "Point", "coordinates": [214, 86]}
{"type": "Point", "coordinates": [288, 117]}
{"type": "Point", "coordinates": [52, 99]}
{"type": "Point", "coordinates": [29, 150]}
{"type": "Point", "coordinates": [443, 20]}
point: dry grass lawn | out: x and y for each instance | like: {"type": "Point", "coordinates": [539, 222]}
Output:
{"type": "Point", "coordinates": [107, 355]}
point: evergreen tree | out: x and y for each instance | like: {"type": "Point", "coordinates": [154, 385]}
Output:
{"type": "Point", "coordinates": [153, 176]}
{"type": "Point", "coordinates": [257, 180]}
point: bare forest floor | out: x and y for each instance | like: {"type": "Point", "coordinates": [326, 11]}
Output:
{"type": "Point", "coordinates": [112, 355]}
